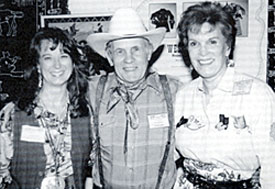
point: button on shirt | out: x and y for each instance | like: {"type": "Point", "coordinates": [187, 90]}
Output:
{"type": "Point", "coordinates": [139, 166]}
{"type": "Point", "coordinates": [245, 142]}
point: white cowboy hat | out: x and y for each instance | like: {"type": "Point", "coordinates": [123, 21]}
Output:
{"type": "Point", "coordinates": [125, 23]}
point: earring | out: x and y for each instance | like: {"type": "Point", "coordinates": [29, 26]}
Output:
{"type": "Point", "coordinates": [191, 67]}
{"type": "Point", "coordinates": [229, 62]}
{"type": "Point", "coordinates": [40, 79]}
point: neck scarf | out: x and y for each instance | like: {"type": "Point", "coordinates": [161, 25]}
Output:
{"type": "Point", "coordinates": [128, 94]}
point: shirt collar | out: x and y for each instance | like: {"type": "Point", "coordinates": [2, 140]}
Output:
{"type": "Point", "coordinates": [113, 98]}
{"type": "Point", "coordinates": [226, 83]}
{"type": "Point", "coordinates": [151, 81]}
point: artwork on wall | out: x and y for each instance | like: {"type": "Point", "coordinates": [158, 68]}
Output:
{"type": "Point", "coordinates": [52, 7]}
{"type": "Point", "coordinates": [163, 15]}
{"type": "Point", "coordinates": [79, 26]}
{"type": "Point", "coordinates": [8, 22]}
{"type": "Point", "coordinates": [17, 26]}
{"type": "Point", "coordinates": [239, 11]}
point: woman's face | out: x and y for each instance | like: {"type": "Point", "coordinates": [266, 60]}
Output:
{"type": "Point", "coordinates": [208, 51]}
{"type": "Point", "coordinates": [55, 65]}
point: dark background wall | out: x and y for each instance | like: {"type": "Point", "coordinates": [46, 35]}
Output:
{"type": "Point", "coordinates": [271, 45]}
{"type": "Point", "coordinates": [19, 20]}
{"type": "Point", "coordinates": [17, 25]}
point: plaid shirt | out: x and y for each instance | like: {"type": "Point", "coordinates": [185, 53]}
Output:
{"type": "Point", "coordinates": [138, 168]}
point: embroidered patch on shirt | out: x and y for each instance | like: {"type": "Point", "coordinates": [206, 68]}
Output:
{"type": "Point", "coordinates": [182, 121]}
{"type": "Point", "coordinates": [272, 131]}
{"type": "Point", "coordinates": [239, 122]}
{"type": "Point", "coordinates": [223, 123]}
{"type": "Point", "coordinates": [242, 87]}
{"type": "Point", "coordinates": [194, 123]}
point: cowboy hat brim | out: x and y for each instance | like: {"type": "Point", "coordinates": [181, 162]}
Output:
{"type": "Point", "coordinates": [98, 41]}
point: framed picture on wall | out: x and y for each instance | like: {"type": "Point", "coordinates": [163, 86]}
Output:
{"type": "Point", "coordinates": [239, 11]}
{"type": "Point", "coordinates": [79, 26]}
{"type": "Point", "coordinates": [163, 15]}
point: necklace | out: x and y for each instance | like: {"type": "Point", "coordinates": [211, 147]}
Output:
{"type": "Point", "coordinates": [55, 140]}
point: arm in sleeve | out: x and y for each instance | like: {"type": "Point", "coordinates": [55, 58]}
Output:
{"type": "Point", "coordinates": [264, 136]}
{"type": "Point", "coordinates": [91, 96]}
{"type": "Point", "coordinates": [92, 158]}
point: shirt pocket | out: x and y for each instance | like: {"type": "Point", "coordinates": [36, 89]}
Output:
{"type": "Point", "coordinates": [106, 129]}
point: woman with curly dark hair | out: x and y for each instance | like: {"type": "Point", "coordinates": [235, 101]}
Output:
{"type": "Point", "coordinates": [46, 142]}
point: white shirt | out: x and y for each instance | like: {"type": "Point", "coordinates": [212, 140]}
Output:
{"type": "Point", "coordinates": [248, 141]}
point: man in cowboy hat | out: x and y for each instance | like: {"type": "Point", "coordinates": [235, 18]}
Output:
{"type": "Point", "coordinates": [133, 127]}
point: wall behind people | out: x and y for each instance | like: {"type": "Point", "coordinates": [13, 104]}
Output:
{"type": "Point", "coordinates": [251, 44]}
{"type": "Point", "coordinates": [17, 25]}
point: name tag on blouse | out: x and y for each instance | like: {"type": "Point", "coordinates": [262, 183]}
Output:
{"type": "Point", "coordinates": [32, 134]}
{"type": "Point", "coordinates": [158, 120]}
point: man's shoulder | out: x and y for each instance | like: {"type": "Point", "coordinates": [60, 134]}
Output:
{"type": "Point", "coordinates": [93, 80]}
{"type": "Point", "coordinates": [173, 82]}
{"type": "Point", "coordinates": [93, 83]}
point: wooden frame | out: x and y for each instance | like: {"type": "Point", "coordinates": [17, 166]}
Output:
{"type": "Point", "coordinates": [80, 26]}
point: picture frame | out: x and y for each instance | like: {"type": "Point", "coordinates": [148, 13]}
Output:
{"type": "Point", "coordinates": [163, 15]}
{"type": "Point", "coordinates": [79, 26]}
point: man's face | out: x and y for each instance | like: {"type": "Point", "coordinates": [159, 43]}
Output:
{"type": "Point", "coordinates": [208, 51]}
{"type": "Point", "coordinates": [130, 58]}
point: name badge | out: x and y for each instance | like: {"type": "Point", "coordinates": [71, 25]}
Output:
{"type": "Point", "coordinates": [158, 120]}
{"type": "Point", "coordinates": [32, 134]}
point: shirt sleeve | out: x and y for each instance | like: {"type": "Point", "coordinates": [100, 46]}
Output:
{"type": "Point", "coordinates": [264, 136]}
{"type": "Point", "coordinates": [93, 82]}
{"type": "Point", "coordinates": [92, 159]}
{"type": "Point", "coordinates": [6, 144]}
{"type": "Point", "coordinates": [92, 87]}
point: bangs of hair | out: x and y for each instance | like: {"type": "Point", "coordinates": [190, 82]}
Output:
{"type": "Point", "coordinates": [53, 44]}
{"type": "Point", "coordinates": [196, 28]}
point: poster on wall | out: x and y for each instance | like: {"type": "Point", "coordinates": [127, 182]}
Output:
{"type": "Point", "coordinates": [163, 15]}
{"type": "Point", "coordinates": [79, 26]}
